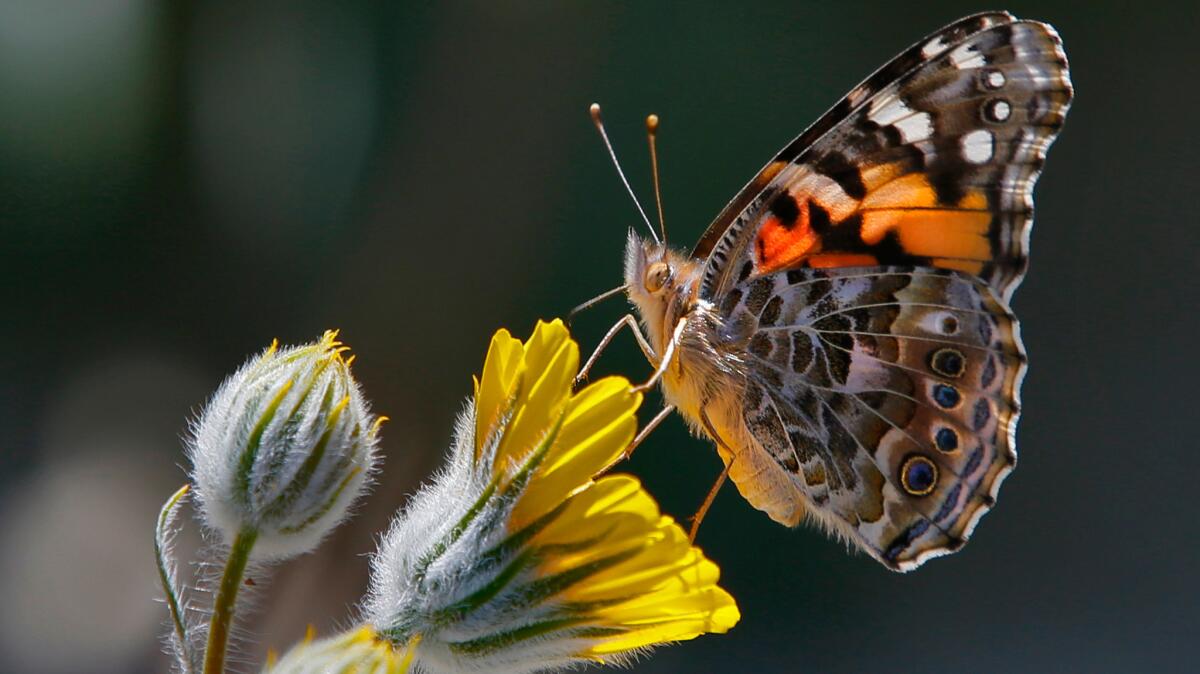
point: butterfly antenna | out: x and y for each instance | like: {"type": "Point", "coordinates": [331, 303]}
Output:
{"type": "Point", "coordinates": [652, 134]}
{"type": "Point", "coordinates": [594, 301]}
{"type": "Point", "coordinates": [595, 112]}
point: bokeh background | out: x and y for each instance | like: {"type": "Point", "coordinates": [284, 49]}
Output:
{"type": "Point", "coordinates": [182, 182]}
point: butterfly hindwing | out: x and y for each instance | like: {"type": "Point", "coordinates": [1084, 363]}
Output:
{"type": "Point", "coordinates": [931, 161]}
{"type": "Point", "coordinates": [887, 396]}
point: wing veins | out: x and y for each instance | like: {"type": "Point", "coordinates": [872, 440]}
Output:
{"type": "Point", "coordinates": [930, 305]}
{"type": "Point", "coordinates": [790, 328]}
{"type": "Point", "coordinates": [834, 390]}
{"type": "Point", "coordinates": [885, 475]}
{"type": "Point", "coordinates": [855, 396]}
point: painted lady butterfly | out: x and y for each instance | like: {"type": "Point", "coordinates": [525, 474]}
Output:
{"type": "Point", "coordinates": [842, 329]}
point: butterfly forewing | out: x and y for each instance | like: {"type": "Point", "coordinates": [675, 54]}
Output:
{"type": "Point", "coordinates": [887, 396]}
{"type": "Point", "coordinates": [931, 161]}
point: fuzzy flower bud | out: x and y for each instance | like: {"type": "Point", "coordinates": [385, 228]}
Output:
{"type": "Point", "coordinates": [284, 448]}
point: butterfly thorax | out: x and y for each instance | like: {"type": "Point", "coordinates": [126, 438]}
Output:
{"type": "Point", "coordinates": [706, 366]}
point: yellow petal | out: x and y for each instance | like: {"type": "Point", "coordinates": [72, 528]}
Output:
{"type": "Point", "coordinates": [550, 363]}
{"type": "Point", "coordinates": [667, 560]}
{"type": "Point", "coordinates": [599, 426]}
{"type": "Point", "coordinates": [610, 496]}
{"type": "Point", "coordinates": [666, 592]}
{"type": "Point", "coordinates": [714, 612]}
{"type": "Point", "coordinates": [652, 586]}
{"type": "Point", "coordinates": [594, 416]}
{"type": "Point", "coordinates": [614, 515]}
{"type": "Point", "coordinates": [674, 602]}
{"type": "Point", "coordinates": [495, 384]}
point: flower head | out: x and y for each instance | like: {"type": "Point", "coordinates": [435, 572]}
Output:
{"type": "Point", "coordinates": [518, 558]}
{"type": "Point", "coordinates": [284, 448]}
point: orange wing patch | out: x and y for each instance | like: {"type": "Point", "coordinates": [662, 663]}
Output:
{"type": "Point", "coordinates": [802, 227]}
{"type": "Point", "coordinates": [954, 235]}
{"type": "Point", "coordinates": [779, 244]}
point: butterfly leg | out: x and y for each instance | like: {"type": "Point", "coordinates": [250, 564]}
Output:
{"type": "Point", "coordinates": [668, 353]}
{"type": "Point", "coordinates": [648, 428]}
{"type": "Point", "coordinates": [629, 321]}
{"type": "Point", "coordinates": [708, 501]}
{"type": "Point", "coordinates": [712, 493]}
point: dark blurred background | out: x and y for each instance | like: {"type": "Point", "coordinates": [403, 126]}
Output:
{"type": "Point", "coordinates": [180, 183]}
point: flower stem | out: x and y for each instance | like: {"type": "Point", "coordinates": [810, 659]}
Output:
{"type": "Point", "coordinates": [223, 609]}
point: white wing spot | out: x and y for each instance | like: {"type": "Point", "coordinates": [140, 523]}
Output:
{"type": "Point", "coordinates": [999, 111]}
{"type": "Point", "coordinates": [886, 111]}
{"type": "Point", "coordinates": [967, 56]}
{"type": "Point", "coordinates": [995, 79]}
{"type": "Point", "coordinates": [977, 146]}
{"type": "Point", "coordinates": [915, 127]}
{"type": "Point", "coordinates": [933, 47]}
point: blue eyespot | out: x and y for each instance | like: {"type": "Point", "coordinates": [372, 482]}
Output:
{"type": "Point", "coordinates": [918, 475]}
{"type": "Point", "coordinates": [946, 439]}
{"type": "Point", "coordinates": [946, 395]}
{"type": "Point", "coordinates": [947, 362]}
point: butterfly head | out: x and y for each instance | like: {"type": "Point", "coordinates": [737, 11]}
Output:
{"type": "Point", "coordinates": [649, 269]}
{"type": "Point", "coordinates": [659, 280]}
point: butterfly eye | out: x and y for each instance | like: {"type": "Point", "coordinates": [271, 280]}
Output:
{"type": "Point", "coordinates": [656, 276]}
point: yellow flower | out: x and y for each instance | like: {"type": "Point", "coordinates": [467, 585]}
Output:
{"type": "Point", "coordinates": [518, 557]}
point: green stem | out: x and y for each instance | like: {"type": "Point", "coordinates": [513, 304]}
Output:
{"type": "Point", "coordinates": [223, 609]}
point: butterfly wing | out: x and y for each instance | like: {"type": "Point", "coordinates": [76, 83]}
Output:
{"type": "Point", "coordinates": [887, 398]}
{"type": "Point", "coordinates": [931, 161]}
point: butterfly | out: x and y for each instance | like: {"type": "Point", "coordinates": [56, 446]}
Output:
{"type": "Point", "coordinates": [842, 330]}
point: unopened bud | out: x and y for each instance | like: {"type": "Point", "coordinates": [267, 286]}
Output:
{"type": "Point", "coordinates": [284, 448]}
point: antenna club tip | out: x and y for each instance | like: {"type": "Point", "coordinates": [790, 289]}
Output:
{"type": "Point", "coordinates": [594, 111]}
{"type": "Point", "coordinates": [652, 123]}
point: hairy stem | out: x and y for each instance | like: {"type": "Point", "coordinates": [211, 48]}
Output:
{"type": "Point", "coordinates": [223, 609]}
